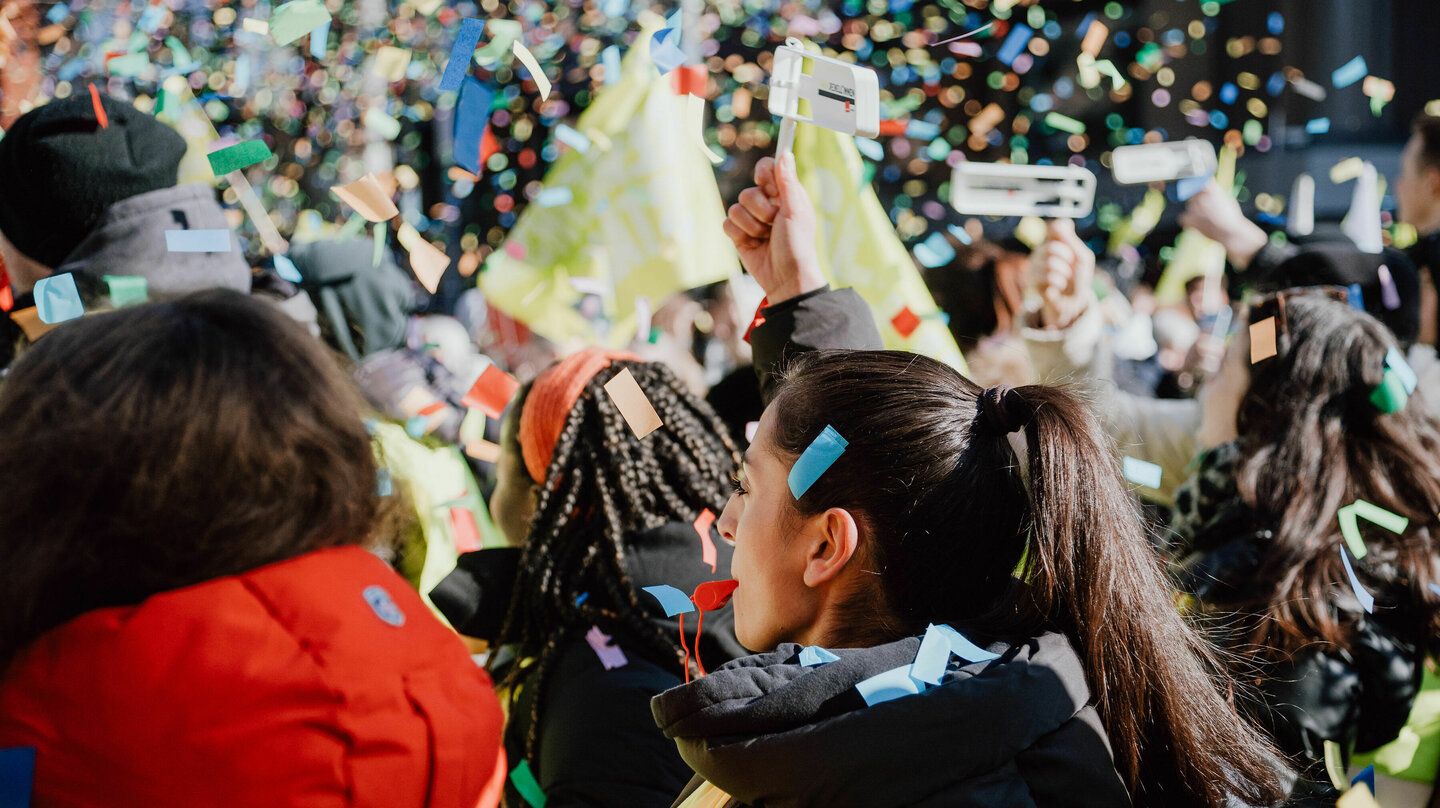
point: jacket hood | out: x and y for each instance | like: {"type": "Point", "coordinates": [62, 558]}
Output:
{"type": "Point", "coordinates": [771, 732]}
{"type": "Point", "coordinates": [130, 240]}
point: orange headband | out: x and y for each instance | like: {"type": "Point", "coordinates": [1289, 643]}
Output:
{"type": "Point", "coordinates": [552, 396]}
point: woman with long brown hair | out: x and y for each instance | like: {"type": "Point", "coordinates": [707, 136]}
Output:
{"type": "Point", "coordinates": [884, 494]}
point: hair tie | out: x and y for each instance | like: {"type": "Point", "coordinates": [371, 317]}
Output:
{"type": "Point", "coordinates": [1004, 410]}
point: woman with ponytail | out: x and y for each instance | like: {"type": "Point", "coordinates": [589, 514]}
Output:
{"type": "Point", "coordinates": [888, 509]}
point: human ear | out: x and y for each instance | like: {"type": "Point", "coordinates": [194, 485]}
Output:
{"type": "Point", "coordinates": [834, 538]}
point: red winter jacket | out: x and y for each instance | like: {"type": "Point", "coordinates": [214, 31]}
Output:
{"type": "Point", "coordinates": [319, 681]}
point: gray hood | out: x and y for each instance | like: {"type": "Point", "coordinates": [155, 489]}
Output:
{"type": "Point", "coordinates": [770, 732]}
{"type": "Point", "coordinates": [130, 240]}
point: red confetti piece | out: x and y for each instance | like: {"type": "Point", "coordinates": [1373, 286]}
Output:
{"type": "Point", "coordinates": [707, 545]}
{"type": "Point", "coordinates": [759, 318]}
{"type": "Point", "coordinates": [492, 391]}
{"type": "Point", "coordinates": [99, 108]}
{"type": "Point", "coordinates": [464, 530]}
{"type": "Point", "coordinates": [905, 322]}
{"type": "Point", "coordinates": [893, 126]}
{"type": "Point", "coordinates": [690, 80]}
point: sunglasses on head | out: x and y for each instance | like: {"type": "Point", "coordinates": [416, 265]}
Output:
{"type": "Point", "coordinates": [1272, 304]}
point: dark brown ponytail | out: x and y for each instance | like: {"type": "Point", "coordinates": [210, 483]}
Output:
{"type": "Point", "coordinates": [948, 510]}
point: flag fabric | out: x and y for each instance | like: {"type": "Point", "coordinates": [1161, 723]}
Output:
{"type": "Point", "coordinates": [859, 247]}
{"type": "Point", "coordinates": [644, 218]}
{"type": "Point", "coordinates": [1195, 255]}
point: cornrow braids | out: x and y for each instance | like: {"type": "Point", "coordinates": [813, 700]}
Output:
{"type": "Point", "coordinates": [602, 487]}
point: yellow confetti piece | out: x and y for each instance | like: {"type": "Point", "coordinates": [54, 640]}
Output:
{"type": "Point", "coordinates": [1346, 170]}
{"type": "Point", "coordinates": [637, 410]}
{"type": "Point", "coordinates": [528, 59]}
{"type": "Point", "coordinates": [1378, 88]}
{"type": "Point", "coordinates": [981, 124]}
{"type": "Point", "coordinates": [695, 112]}
{"type": "Point", "coordinates": [255, 26]}
{"type": "Point", "coordinates": [369, 198]}
{"type": "Point", "coordinates": [426, 259]}
{"type": "Point", "coordinates": [391, 62]}
{"type": "Point", "coordinates": [1358, 796]}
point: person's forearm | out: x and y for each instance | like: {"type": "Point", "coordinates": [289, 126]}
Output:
{"type": "Point", "coordinates": [1242, 247]}
{"type": "Point", "coordinates": [808, 279]}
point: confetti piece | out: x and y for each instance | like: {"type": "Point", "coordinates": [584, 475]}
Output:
{"type": "Point", "coordinates": [1318, 126]}
{"type": "Point", "coordinates": [554, 197]}
{"type": "Point", "coordinates": [1389, 295]}
{"type": "Point", "coordinates": [1095, 37]}
{"type": "Point", "coordinates": [1346, 170]}
{"type": "Point", "coordinates": [812, 655]}
{"type": "Point", "coordinates": [1389, 396]}
{"type": "Point", "coordinates": [460, 53]}
{"type": "Point", "coordinates": [533, 65]}
{"type": "Point", "coordinates": [377, 235]}
{"type": "Point", "coordinates": [981, 124]}
{"type": "Point", "coordinates": [198, 241]}
{"type": "Point", "coordinates": [870, 148]}
{"type": "Point", "coordinates": [610, 656]}
{"type": "Point", "coordinates": [610, 61]}
{"type": "Point", "coordinates": [1356, 296]}
{"type": "Point", "coordinates": [255, 26]}
{"type": "Point", "coordinates": [643, 316]}
{"type": "Point", "coordinates": [1190, 186]}
{"type": "Point", "coordinates": [1015, 43]}
{"type": "Point", "coordinates": [707, 544]}
{"type": "Point", "coordinates": [1366, 776]}
{"type": "Point", "coordinates": [1262, 340]}
{"type": "Point", "coordinates": [632, 403]}
{"type": "Point", "coordinates": [471, 116]}
{"type": "Point", "coordinates": [524, 782]}
{"type": "Point", "coordinates": [672, 600]}
{"type": "Point", "coordinates": [382, 124]}
{"type": "Point", "coordinates": [934, 251]}
{"type": "Point", "coordinates": [258, 216]}
{"type": "Point", "coordinates": [920, 130]}
{"type": "Point", "coordinates": [492, 392]}
{"type": "Point", "coordinates": [1334, 764]}
{"type": "Point", "coordinates": [888, 686]}
{"type": "Point", "coordinates": [240, 156]}
{"type": "Point", "coordinates": [1396, 362]}
{"type": "Point", "coordinates": [483, 451]}
{"type": "Point", "coordinates": [427, 261]}
{"type": "Point", "coordinates": [100, 115]}
{"type": "Point", "coordinates": [664, 52]}
{"type": "Point", "coordinates": [982, 29]}
{"type": "Point", "coordinates": [1378, 88]}
{"type": "Point", "coordinates": [1367, 600]}
{"type": "Point", "coordinates": [1360, 509]}
{"type": "Point", "coordinates": [320, 41]}
{"type": "Point", "coordinates": [751, 427]}
{"type": "Point", "coordinates": [464, 531]}
{"type": "Point", "coordinates": [1141, 472]}
{"type": "Point", "coordinates": [572, 138]}
{"type": "Point", "coordinates": [368, 197]}
{"type": "Point", "coordinates": [1065, 123]}
{"type": "Point", "coordinates": [390, 62]}
{"type": "Point", "coordinates": [384, 487]}
{"type": "Point", "coordinates": [1357, 797]}
{"type": "Point", "coordinates": [1349, 73]}
{"type": "Point", "coordinates": [17, 771]}
{"type": "Point", "coordinates": [905, 322]}
{"type": "Point", "coordinates": [126, 290]}
{"type": "Point", "coordinates": [935, 650]}
{"type": "Point", "coordinates": [695, 113]}
{"type": "Point", "coordinates": [502, 34]}
{"type": "Point", "coordinates": [817, 457]}
{"type": "Point", "coordinates": [57, 299]}
{"type": "Point", "coordinates": [713, 595]}
{"type": "Point", "coordinates": [296, 19]}
{"type": "Point", "coordinates": [1308, 88]}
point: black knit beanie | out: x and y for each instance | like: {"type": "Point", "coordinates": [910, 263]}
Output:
{"type": "Point", "coordinates": [60, 170]}
{"type": "Point", "coordinates": [1342, 264]}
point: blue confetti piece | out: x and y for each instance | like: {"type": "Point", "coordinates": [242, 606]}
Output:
{"type": "Point", "coordinates": [1276, 84]}
{"type": "Point", "coordinates": [1015, 43]}
{"type": "Point", "coordinates": [1435, 588]}
{"type": "Point", "coordinates": [57, 299]}
{"type": "Point", "coordinates": [672, 600]}
{"type": "Point", "coordinates": [1367, 600]}
{"type": "Point", "coordinates": [1275, 23]}
{"type": "Point", "coordinates": [584, 596]}
{"type": "Point", "coordinates": [615, 8]}
{"type": "Point", "coordinates": [934, 251]}
{"type": "Point", "coordinates": [1366, 776]}
{"type": "Point", "coordinates": [198, 241]}
{"type": "Point", "coordinates": [471, 116]}
{"type": "Point", "coordinates": [932, 658]}
{"type": "Point", "coordinates": [1355, 296]}
{"type": "Point", "coordinates": [286, 269]}
{"type": "Point", "coordinates": [1350, 72]}
{"type": "Point", "coordinates": [572, 138]}
{"type": "Point", "coordinates": [870, 148]}
{"type": "Point", "coordinates": [17, 776]}
{"type": "Point", "coordinates": [922, 130]}
{"type": "Point", "coordinates": [460, 54]}
{"type": "Point", "coordinates": [384, 487]}
{"type": "Point", "coordinates": [812, 655]}
{"type": "Point", "coordinates": [962, 647]}
{"type": "Point", "coordinates": [320, 41]}
{"type": "Point", "coordinates": [1190, 186]}
{"type": "Point", "coordinates": [149, 20]}
{"type": "Point", "coordinates": [664, 52]}
{"type": "Point", "coordinates": [1141, 472]}
{"type": "Point", "coordinates": [892, 684]}
{"type": "Point", "coordinates": [416, 426]}
{"type": "Point", "coordinates": [1397, 363]}
{"type": "Point", "coordinates": [817, 457]}
{"type": "Point", "coordinates": [58, 13]}
{"type": "Point", "coordinates": [554, 197]}
{"type": "Point", "coordinates": [959, 233]}
{"type": "Point", "coordinates": [610, 61]}
{"type": "Point", "coordinates": [1228, 93]}
{"type": "Point", "coordinates": [1318, 126]}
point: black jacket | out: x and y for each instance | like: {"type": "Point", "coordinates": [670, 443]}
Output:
{"type": "Point", "coordinates": [1014, 731]}
{"type": "Point", "coordinates": [819, 319]}
{"type": "Point", "coordinates": [597, 745]}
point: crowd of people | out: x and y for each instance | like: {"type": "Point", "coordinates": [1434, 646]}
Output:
{"type": "Point", "coordinates": [274, 538]}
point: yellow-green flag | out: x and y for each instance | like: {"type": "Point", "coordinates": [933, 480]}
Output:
{"type": "Point", "coordinates": [859, 247]}
{"type": "Point", "coordinates": [643, 216]}
{"type": "Point", "coordinates": [1195, 255]}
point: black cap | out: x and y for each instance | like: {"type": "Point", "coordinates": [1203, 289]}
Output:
{"type": "Point", "coordinates": [1342, 264]}
{"type": "Point", "coordinates": [60, 169]}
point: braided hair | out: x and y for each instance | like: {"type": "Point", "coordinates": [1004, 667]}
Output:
{"type": "Point", "coordinates": [603, 486]}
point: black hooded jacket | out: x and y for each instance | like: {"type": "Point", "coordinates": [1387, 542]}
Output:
{"type": "Point", "coordinates": [1018, 730]}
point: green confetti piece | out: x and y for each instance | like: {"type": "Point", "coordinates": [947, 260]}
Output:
{"type": "Point", "coordinates": [128, 66]}
{"type": "Point", "coordinates": [524, 781]}
{"type": "Point", "coordinates": [1360, 509]}
{"type": "Point", "coordinates": [1065, 123]}
{"type": "Point", "coordinates": [126, 290]}
{"type": "Point", "coordinates": [354, 226]}
{"type": "Point", "coordinates": [503, 34]}
{"type": "Point", "coordinates": [296, 19]}
{"type": "Point", "coordinates": [1389, 395]}
{"type": "Point", "coordinates": [179, 55]}
{"type": "Point", "coordinates": [379, 236]}
{"type": "Point", "coordinates": [1335, 765]}
{"type": "Point", "coordinates": [241, 155]}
